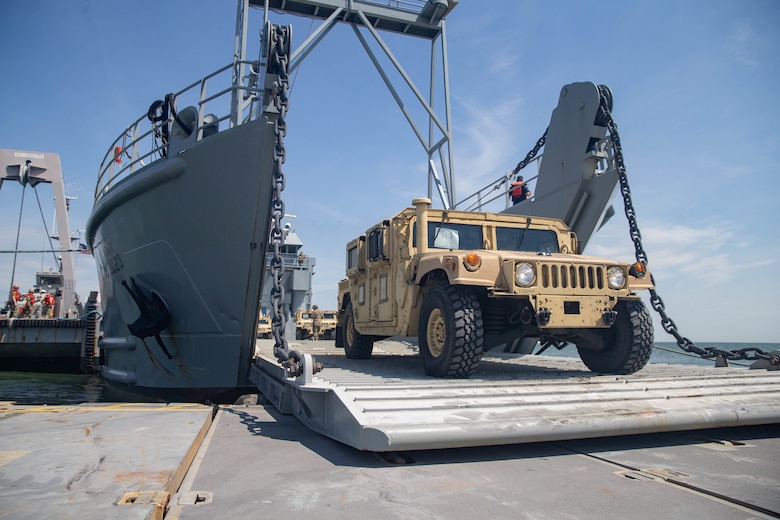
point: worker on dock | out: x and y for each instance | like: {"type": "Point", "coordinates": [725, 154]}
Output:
{"type": "Point", "coordinates": [316, 322]}
{"type": "Point", "coordinates": [16, 297]}
{"type": "Point", "coordinates": [48, 304]}
{"type": "Point", "coordinates": [38, 303]}
{"type": "Point", "coordinates": [29, 305]}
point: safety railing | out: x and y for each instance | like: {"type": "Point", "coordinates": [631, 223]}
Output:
{"type": "Point", "coordinates": [291, 260]}
{"type": "Point", "coordinates": [221, 94]}
{"type": "Point", "coordinates": [500, 188]}
{"type": "Point", "coordinates": [413, 6]}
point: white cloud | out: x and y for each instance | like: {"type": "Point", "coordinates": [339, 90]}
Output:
{"type": "Point", "coordinates": [711, 254]}
{"type": "Point", "coordinates": [503, 62]}
{"type": "Point", "coordinates": [741, 43]}
{"type": "Point", "coordinates": [486, 145]}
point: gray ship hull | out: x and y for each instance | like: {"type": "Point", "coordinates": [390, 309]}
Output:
{"type": "Point", "coordinates": [186, 237]}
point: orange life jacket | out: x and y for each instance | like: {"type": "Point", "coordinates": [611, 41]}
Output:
{"type": "Point", "coordinates": [517, 190]}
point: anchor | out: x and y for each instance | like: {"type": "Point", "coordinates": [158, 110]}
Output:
{"type": "Point", "coordinates": [155, 316]}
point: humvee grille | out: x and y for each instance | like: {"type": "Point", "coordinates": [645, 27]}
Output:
{"type": "Point", "coordinates": [569, 276]}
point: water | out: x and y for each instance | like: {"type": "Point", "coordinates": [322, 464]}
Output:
{"type": "Point", "coordinates": [55, 389]}
{"type": "Point", "coordinates": [26, 388]}
{"type": "Point", "coordinates": [670, 353]}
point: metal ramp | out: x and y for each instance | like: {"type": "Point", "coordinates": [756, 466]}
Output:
{"type": "Point", "coordinates": [388, 404]}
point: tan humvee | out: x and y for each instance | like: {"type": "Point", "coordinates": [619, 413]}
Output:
{"type": "Point", "coordinates": [304, 325]}
{"type": "Point", "coordinates": [464, 282]}
{"type": "Point", "coordinates": [263, 326]}
{"type": "Point", "coordinates": [329, 322]}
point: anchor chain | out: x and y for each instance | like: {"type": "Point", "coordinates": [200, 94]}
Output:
{"type": "Point", "coordinates": [531, 154]}
{"type": "Point", "coordinates": [280, 38]}
{"type": "Point", "coordinates": [750, 353]}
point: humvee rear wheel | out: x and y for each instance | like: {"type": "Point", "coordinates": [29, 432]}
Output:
{"type": "Point", "coordinates": [356, 345]}
{"type": "Point", "coordinates": [450, 332]}
{"type": "Point", "coordinates": [627, 344]}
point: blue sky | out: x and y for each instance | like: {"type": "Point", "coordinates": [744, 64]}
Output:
{"type": "Point", "coordinates": [696, 105]}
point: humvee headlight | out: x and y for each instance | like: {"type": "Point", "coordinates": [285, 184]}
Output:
{"type": "Point", "coordinates": [472, 261]}
{"type": "Point", "coordinates": [524, 274]}
{"type": "Point", "coordinates": [615, 277]}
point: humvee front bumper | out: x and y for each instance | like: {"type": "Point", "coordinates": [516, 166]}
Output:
{"type": "Point", "coordinates": [558, 311]}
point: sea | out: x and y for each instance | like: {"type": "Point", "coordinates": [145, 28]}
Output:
{"type": "Point", "coordinates": [26, 388]}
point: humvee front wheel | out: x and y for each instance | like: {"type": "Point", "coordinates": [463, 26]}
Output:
{"type": "Point", "coordinates": [356, 345]}
{"type": "Point", "coordinates": [450, 334]}
{"type": "Point", "coordinates": [627, 344]}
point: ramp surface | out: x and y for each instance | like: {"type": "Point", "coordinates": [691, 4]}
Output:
{"type": "Point", "coordinates": [386, 403]}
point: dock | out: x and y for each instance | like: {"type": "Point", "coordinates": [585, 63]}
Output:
{"type": "Point", "coordinates": [54, 345]}
{"type": "Point", "coordinates": [99, 460]}
{"type": "Point", "coordinates": [249, 460]}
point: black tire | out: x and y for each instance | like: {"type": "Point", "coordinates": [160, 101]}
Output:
{"type": "Point", "coordinates": [627, 344]}
{"type": "Point", "coordinates": [356, 345]}
{"type": "Point", "coordinates": [451, 332]}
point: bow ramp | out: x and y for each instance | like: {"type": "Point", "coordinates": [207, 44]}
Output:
{"type": "Point", "coordinates": [386, 403]}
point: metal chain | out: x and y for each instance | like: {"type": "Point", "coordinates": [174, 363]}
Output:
{"type": "Point", "coordinates": [657, 303]}
{"type": "Point", "coordinates": [279, 38]}
{"type": "Point", "coordinates": [531, 154]}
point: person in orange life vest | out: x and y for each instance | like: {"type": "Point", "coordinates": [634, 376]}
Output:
{"type": "Point", "coordinates": [29, 303]}
{"type": "Point", "coordinates": [48, 305]}
{"type": "Point", "coordinates": [16, 297]}
{"type": "Point", "coordinates": [520, 190]}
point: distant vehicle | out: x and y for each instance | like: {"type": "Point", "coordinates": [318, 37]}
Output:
{"type": "Point", "coordinates": [305, 328]}
{"type": "Point", "coordinates": [263, 327]}
{"type": "Point", "coordinates": [464, 282]}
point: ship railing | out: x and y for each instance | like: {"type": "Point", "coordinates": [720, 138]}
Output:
{"type": "Point", "coordinates": [412, 6]}
{"type": "Point", "coordinates": [290, 260]}
{"type": "Point", "coordinates": [498, 189]}
{"type": "Point", "coordinates": [501, 188]}
{"type": "Point", "coordinates": [221, 95]}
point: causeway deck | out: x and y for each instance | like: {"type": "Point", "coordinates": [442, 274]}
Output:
{"type": "Point", "coordinates": [248, 460]}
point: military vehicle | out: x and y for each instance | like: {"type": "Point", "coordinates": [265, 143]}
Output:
{"type": "Point", "coordinates": [329, 322]}
{"type": "Point", "coordinates": [263, 327]}
{"type": "Point", "coordinates": [304, 325]}
{"type": "Point", "coordinates": [464, 282]}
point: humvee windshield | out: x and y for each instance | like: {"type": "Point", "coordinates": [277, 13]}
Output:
{"type": "Point", "coordinates": [447, 235]}
{"type": "Point", "coordinates": [521, 239]}
{"type": "Point", "coordinates": [454, 236]}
